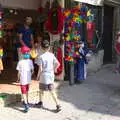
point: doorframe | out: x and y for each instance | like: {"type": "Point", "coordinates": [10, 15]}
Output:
{"type": "Point", "coordinates": [103, 25]}
{"type": "Point", "coordinates": [116, 24]}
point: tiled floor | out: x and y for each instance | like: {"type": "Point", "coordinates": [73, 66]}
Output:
{"type": "Point", "coordinates": [8, 82]}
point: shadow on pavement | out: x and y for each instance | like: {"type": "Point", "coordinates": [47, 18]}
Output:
{"type": "Point", "coordinates": [100, 93]}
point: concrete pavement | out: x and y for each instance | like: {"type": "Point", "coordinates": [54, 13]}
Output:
{"type": "Point", "coordinates": [98, 98]}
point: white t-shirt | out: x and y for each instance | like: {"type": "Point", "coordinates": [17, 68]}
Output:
{"type": "Point", "coordinates": [25, 67]}
{"type": "Point", "coordinates": [39, 53]}
{"type": "Point", "coordinates": [48, 62]}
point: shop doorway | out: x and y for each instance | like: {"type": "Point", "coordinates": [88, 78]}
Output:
{"type": "Point", "coordinates": [108, 34]}
{"type": "Point", "coordinates": [11, 24]}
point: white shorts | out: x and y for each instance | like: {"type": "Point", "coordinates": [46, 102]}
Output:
{"type": "Point", "coordinates": [47, 78]}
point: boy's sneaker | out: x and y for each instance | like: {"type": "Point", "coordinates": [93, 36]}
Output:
{"type": "Point", "coordinates": [40, 104]}
{"type": "Point", "coordinates": [58, 108]}
{"type": "Point", "coordinates": [26, 108]}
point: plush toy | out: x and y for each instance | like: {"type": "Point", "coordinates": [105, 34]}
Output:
{"type": "Point", "coordinates": [33, 53]}
{"type": "Point", "coordinates": [1, 63]}
{"type": "Point", "coordinates": [90, 27]}
{"type": "Point", "coordinates": [60, 59]}
{"type": "Point", "coordinates": [55, 21]}
{"type": "Point", "coordinates": [1, 52]}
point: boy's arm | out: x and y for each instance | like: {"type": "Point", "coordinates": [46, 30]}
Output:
{"type": "Point", "coordinates": [56, 63]}
{"type": "Point", "coordinates": [32, 67]}
{"type": "Point", "coordinates": [18, 69]}
{"type": "Point", "coordinates": [39, 72]}
{"type": "Point", "coordinates": [18, 76]}
{"type": "Point", "coordinates": [32, 41]}
{"type": "Point", "coordinates": [20, 39]}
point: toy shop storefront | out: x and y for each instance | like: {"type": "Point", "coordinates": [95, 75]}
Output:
{"type": "Point", "coordinates": [10, 20]}
{"type": "Point", "coordinates": [83, 23]}
{"type": "Point", "coordinates": [96, 24]}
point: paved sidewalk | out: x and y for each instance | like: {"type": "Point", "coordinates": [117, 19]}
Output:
{"type": "Point", "coordinates": [98, 98]}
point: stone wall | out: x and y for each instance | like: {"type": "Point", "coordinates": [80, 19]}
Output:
{"type": "Point", "coordinates": [96, 61]}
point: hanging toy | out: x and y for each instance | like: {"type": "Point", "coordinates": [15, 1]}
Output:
{"type": "Point", "coordinates": [1, 23]}
{"type": "Point", "coordinates": [1, 52]}
{"type": "Point", "coordinates": [60, 59]}
{"type": "Point", "coordinates": [90, 27]}
{"type": "Point", "coordinates": [33, 53]}
{"type": "Point", "coordinates": [55, 21]}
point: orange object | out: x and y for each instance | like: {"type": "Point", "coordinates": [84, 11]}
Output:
{"type": "Point", "coordinates": [1, 65]}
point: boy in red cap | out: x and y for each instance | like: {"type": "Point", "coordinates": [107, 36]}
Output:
{"type": "Point", "coordinates": [25, 69]}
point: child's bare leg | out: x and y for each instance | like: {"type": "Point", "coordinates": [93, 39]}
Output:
{"type": "Point", "coordinates": [25, 98]}
{"type": "Point", "coordinates": [41, 95]}
{"type": "Point", "coordinates": [54, 96]}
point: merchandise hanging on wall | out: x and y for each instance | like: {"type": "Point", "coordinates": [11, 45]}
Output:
{"type": "Point", "coordinates": [90, 27]}
{"type": "Point", "coordinates": [1, 22]}
{"type": "Point", "coordinates": [79, 26]}
{"type": "Point", "coordinates": [43, 16]}
{"type": "Point", "coordinates": [55, 21]}
{"type": "Point", "coordinates": [73, 21]}
{"type": "Point", "coordinates": [59, 53]}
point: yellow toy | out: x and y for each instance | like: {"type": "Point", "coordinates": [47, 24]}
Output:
{"type": "Point", "coordinates": [33, 53]}
{"type": "Point", "coordinates": [1, 52]}
{"type": "Point", "coordinates": [1, 63]}
{"type": "Point", "coordinates": [89, 13]}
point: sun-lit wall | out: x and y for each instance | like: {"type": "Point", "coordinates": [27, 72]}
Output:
{"type": "Point", "coordinates": [25, 4]}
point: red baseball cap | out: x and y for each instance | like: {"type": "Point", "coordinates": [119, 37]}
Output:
{"type": "Point", "coordinates": [25, 49]}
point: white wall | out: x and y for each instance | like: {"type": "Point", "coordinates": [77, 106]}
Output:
{"type": "Point", "coordinates": [92, 2]}
{"type": "Point", "coordinates": [114, 1]}
{"type": "Point", "coordinates": [25, 4]}
{"type": "Point", "coordinates": [96, 62]}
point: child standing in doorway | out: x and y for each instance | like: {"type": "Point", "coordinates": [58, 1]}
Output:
{"type": "Point", "coordinates": [25, 69]}
{"type": "Point", "coordinates": [47, 65]}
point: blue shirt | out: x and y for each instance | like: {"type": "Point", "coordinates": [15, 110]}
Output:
{"type": "Point", "coordinates": [26, 35]}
